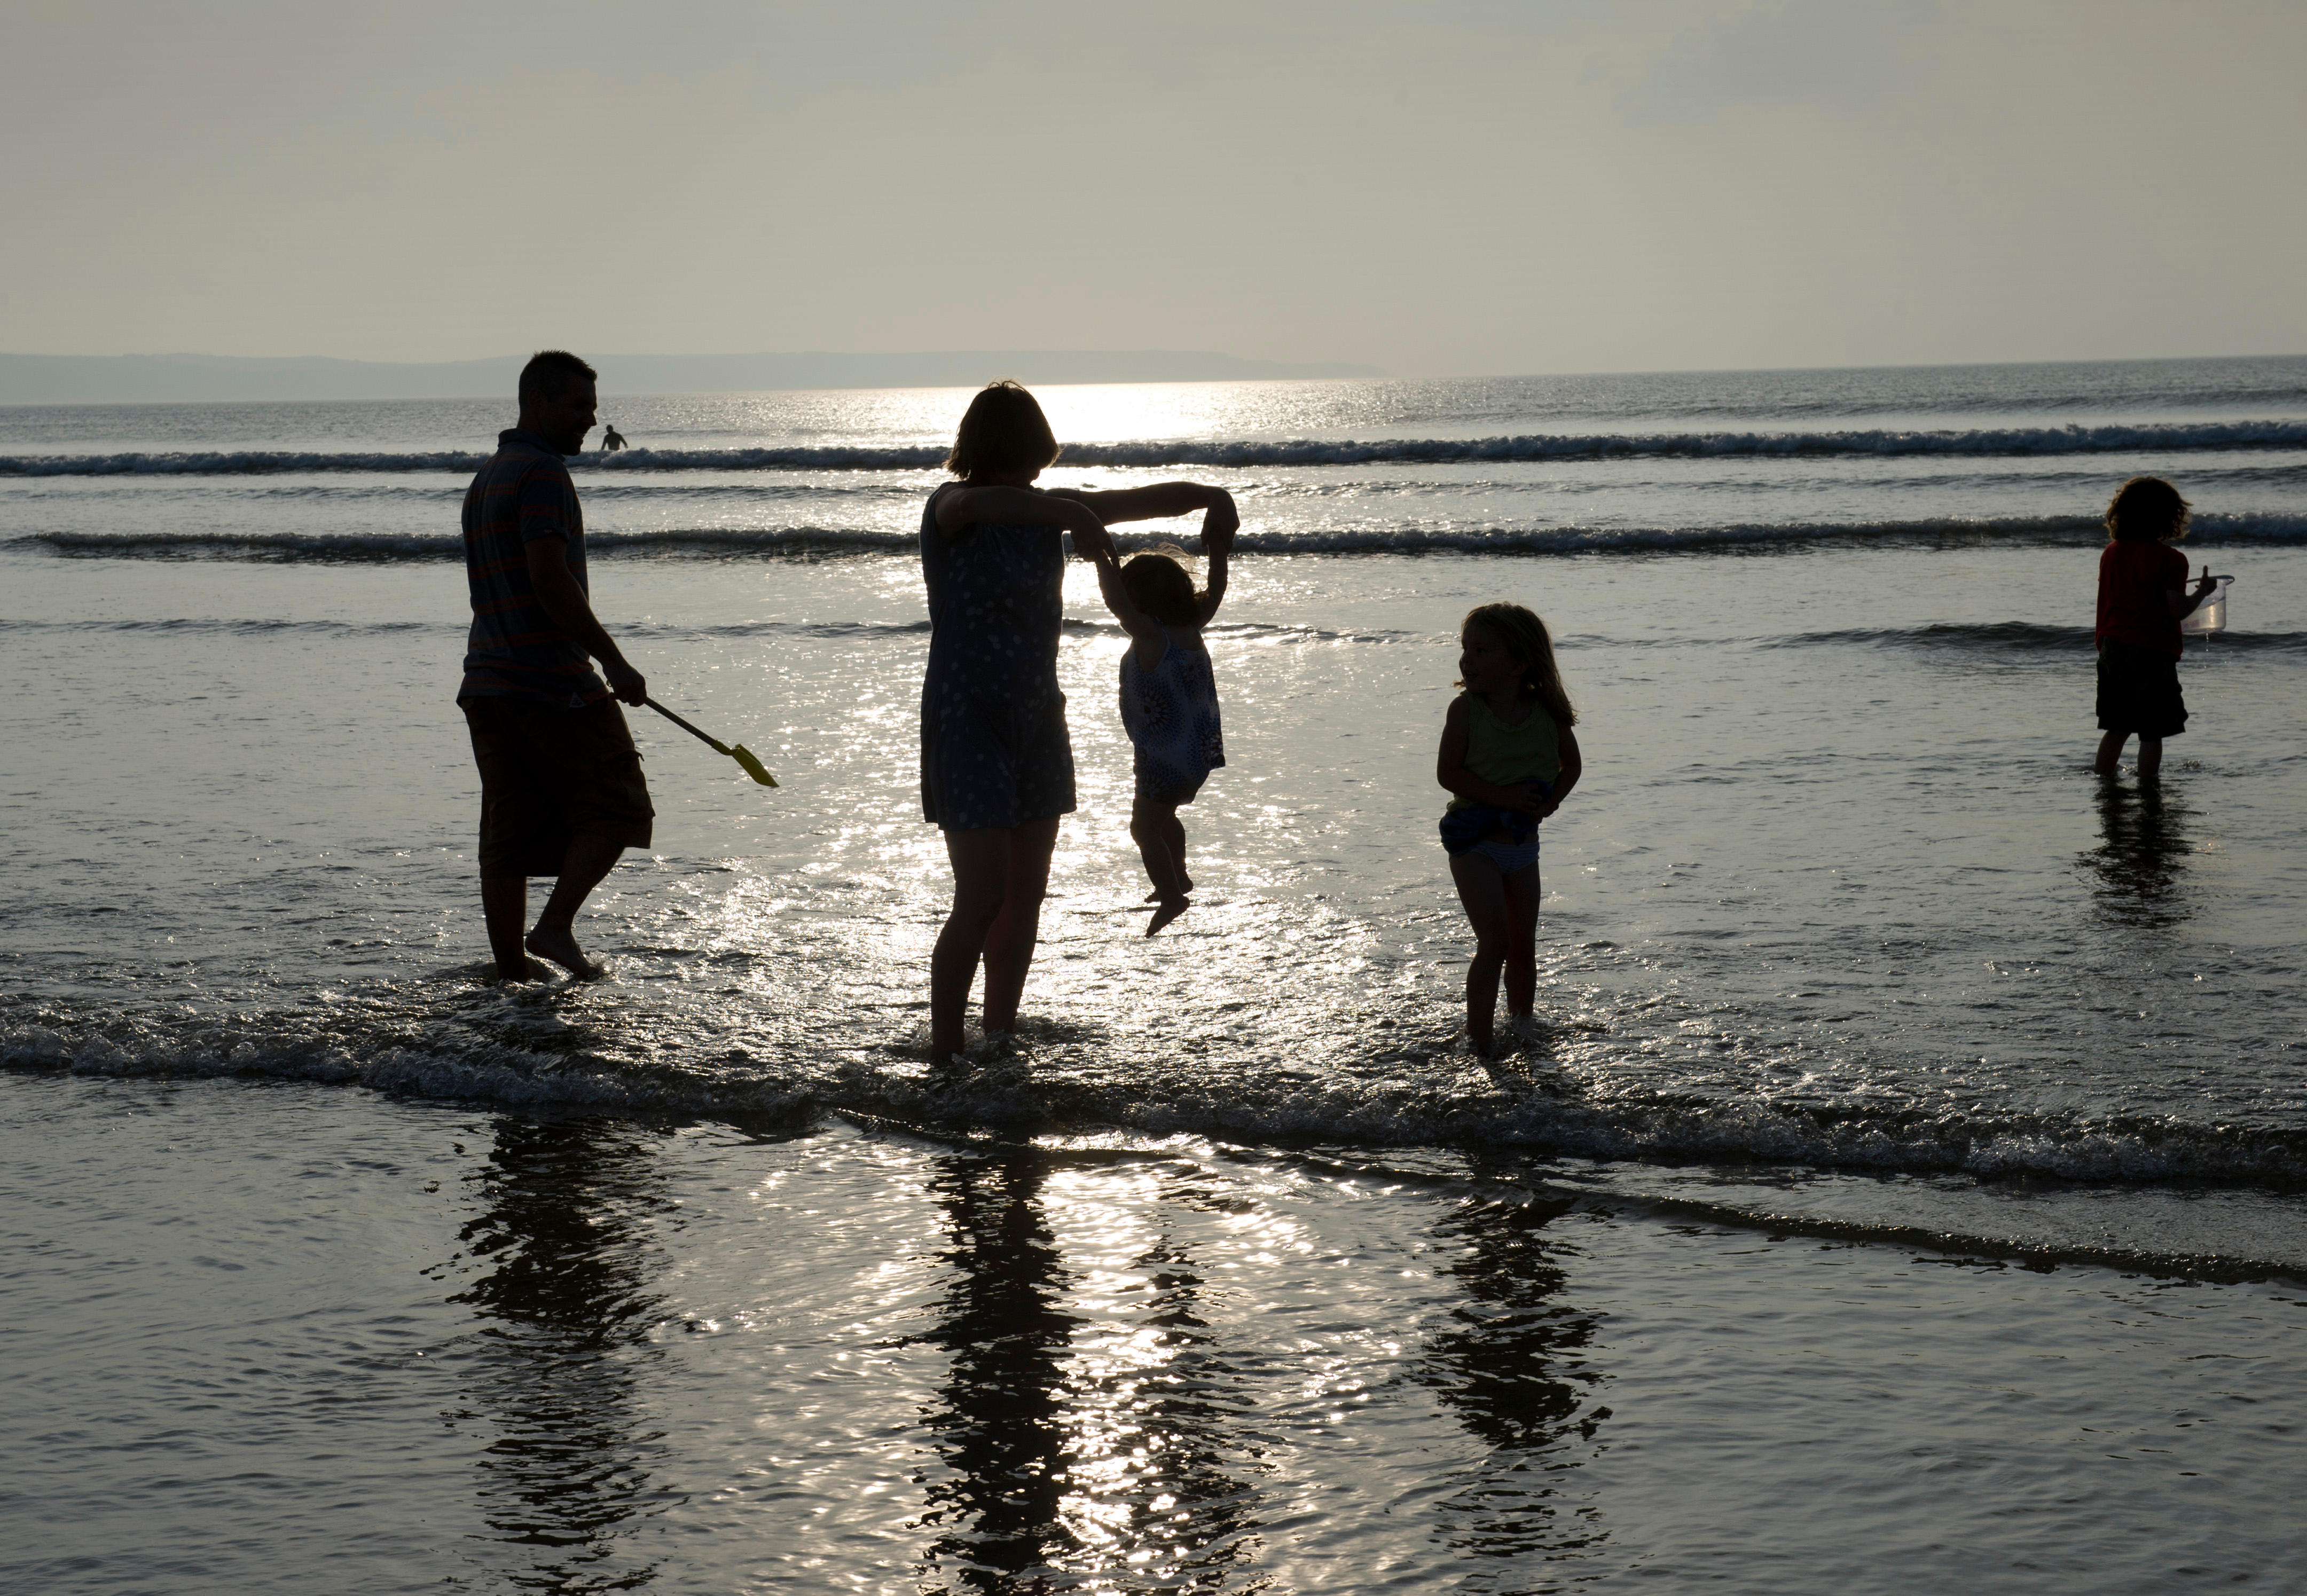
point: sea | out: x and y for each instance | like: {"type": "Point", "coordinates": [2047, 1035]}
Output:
{"type": "Point", "coordinates": [1906, 1188]}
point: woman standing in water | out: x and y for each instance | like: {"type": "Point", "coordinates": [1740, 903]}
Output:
{"type": "Point", "coordinates": [996, 765]}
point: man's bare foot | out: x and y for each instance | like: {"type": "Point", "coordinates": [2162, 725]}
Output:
{"type": "Point", "coordinates": [1185, 884]}
{"type": "Point", "coordinates": [559, 944]}
{"type": "Point", "coordinates": [1166, 910]}
{"type": "Point", "coordinates": [529, 970]}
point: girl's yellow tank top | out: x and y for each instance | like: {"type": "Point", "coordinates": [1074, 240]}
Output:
{"type": "Point", "coordinates": [1502, 755]}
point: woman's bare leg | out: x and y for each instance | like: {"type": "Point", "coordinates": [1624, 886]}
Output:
{"type": "Point", "coordinates": [2110, 750]}
{"type": "Point", "coordinates": [2150, 758]}
{"type": "Point", "coordinates": [981, 874]}
{"type": "Point", "coordinates": [1009, 943]}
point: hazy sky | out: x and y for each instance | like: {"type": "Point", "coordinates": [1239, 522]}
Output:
{"type": "Point", "coordinates": [1453, 186]}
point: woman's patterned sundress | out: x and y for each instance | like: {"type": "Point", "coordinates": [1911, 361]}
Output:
{"type": "Point", "coordinates": [994, 749]}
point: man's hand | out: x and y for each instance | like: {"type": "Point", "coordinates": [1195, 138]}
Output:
{"type": "Point", "coordinates": [625, 682]}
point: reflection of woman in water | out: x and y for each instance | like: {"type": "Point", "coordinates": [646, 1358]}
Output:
{"type": "Point", "coordinates": [996, 765]}
{"type": "Point", "coordinates": [1052, 1462]}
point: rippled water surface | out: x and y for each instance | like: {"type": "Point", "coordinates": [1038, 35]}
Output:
{"type": "Point", "coordinates": [1242, 1268]}
{"type": "Point", "coordinates": [360, 1345]}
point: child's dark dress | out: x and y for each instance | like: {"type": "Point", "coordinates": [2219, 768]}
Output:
{"type": "Point", "coordinates": [994, 748]}
{"type": "Point", "coordinates": [2139, 640]}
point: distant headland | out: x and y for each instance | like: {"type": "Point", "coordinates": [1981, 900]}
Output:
{"type": "Point", "coordinates": [159, 379]}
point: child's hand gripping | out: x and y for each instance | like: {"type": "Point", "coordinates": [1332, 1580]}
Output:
{"type": "Point", "coordinates": [1538, 798]}
{"type": "Point", "coordinates": [1220, 521]}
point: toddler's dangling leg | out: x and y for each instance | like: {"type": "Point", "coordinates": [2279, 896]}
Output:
{"type": "Point", "coordinates": [1161, 843]}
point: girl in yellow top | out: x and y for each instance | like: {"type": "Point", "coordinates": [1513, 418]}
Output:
{"type": "Point", "coordinates": [1509, 759]}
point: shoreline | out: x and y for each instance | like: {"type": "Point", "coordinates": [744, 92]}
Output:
{"type": "Point", "coordinates": [1946, 1212]}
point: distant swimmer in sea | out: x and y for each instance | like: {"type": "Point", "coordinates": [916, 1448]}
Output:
{"type": "Point", "coordinates": [1168, 697]}
{"type": "Point", "coordinates": [1509, 759]}
{"type": "Point", "coordinates": [612, 439]}
{"type": "Point", "coordinates": [562, 791]}
{"type": "Point", "coordinates": [996, 763]}
{"type": "Point", "coordinates": [2143, 597]}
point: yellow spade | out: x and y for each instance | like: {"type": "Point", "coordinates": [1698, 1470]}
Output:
{"type": "Point", "coordinates": [743, 756]}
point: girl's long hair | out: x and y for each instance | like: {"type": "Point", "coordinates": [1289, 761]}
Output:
{"type": "Point", "coordinates": [1527, 639]}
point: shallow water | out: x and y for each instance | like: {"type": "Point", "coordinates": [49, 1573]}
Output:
{"type": "Point", "coordinates": [1832, 894]}
{"type": "Point", "coordinates": [1847, 968]}
{"type": "Point", "coordinates": [358, 1345]}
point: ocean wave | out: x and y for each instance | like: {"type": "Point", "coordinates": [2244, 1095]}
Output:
{"type": "Point", "coordinates": [398, 546]}
{"type": "Point", "coordinates": [1235, 454]}
{"type": "Point", "coordinates": [2021, 637]}
{"type": "Point", "coordinates": [1553, 1120]}
{"type": "Point", "coordinates": [726, 542]}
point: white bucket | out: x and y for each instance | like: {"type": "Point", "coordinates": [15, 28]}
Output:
{"type": "Point", "coordinates": [2210, 616]}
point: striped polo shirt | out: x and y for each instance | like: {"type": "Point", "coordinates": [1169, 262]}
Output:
{"type": "Point", "coordinates": [522, 495]}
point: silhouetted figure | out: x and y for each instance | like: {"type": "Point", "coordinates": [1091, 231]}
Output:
{"type": "Point", "coordinates": [562, 791]}
{"type": "Point", "coordinates": [2143, 597]}
{"type": "Point", "coordinates": [997, 764]}
{"type": "Point", "coordinates": [612, 439]}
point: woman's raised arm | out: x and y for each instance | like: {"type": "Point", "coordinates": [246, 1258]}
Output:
{"type": "Point", "coordinates": [963, 505]}
{"type": "Point", "coordinates": [1155, 502]}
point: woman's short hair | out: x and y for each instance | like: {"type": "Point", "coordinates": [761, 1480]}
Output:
{"type": "Point", "coordinates": [1003, 430]}
{"type": "Point", "coordinates": [1158, 585]}
{"type": "Point", "coordinates": [2144, 509]}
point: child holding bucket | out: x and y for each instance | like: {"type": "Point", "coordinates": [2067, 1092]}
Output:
{"type": "Point", "coordinates": [2143, 597]}
{"type": "Point", "coordinates": [1509, 759]}
{"type": "Point", "coordinates": [1168, 697]}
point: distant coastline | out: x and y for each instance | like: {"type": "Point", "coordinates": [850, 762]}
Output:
{"type": "Point", "coordinates": [163, 379]}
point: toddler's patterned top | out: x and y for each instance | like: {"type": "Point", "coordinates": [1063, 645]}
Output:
{"type": "Point", "coordinates": [1171, 713]}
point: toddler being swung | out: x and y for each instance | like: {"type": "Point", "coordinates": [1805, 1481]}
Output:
{"type": "Point", "coordinates": [1168, 699]}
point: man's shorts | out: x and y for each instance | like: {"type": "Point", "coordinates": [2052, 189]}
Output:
{"type": "Point", "coordinates": [549, 775]}
{"type": "Point", "coordinates": [2139, 690]}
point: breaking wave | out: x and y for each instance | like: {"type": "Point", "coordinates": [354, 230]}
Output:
{"type": "Point", "coordinates": [726, 542]}
{"type": "Point", "coordinates": [1557, 1119]}
{"type": "Point", "coordinates": [2101, 439]}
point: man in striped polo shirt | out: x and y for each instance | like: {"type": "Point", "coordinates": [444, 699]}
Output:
{"type": "Point", "coordinates": [562, 792]}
